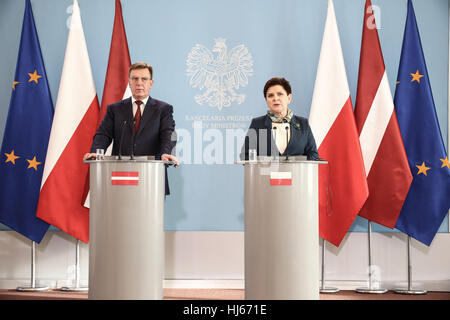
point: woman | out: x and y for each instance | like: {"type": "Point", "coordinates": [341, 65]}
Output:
{"type": "Point", "coordinates": [279, 132]}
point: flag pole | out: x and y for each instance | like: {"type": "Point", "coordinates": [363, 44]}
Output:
{"type": "Point", "coordinates": [410, 290]}
{"type": "Point", "coordinates": [33, 273]}
{"type": "Point", "coordinates": [324, 289]}
{"type": "Point", "coordinates": [77, 272]}
{"type": "Point", "coordinates": [370, 289]}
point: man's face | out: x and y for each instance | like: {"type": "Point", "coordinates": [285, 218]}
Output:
{"type": "Point", "coordinates": [140, 83]}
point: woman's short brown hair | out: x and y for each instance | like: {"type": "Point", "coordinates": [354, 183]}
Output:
{"type": "Point", "coordinates": [141, 65]}
{"type": "Point", "coordinates": [278, 81]}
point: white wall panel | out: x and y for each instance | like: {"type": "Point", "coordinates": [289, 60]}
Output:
{"type": "Point", "coordinates": [216, 259]}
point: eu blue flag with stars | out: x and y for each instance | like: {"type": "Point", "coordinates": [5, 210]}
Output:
{"type": "Point", "coordinates": [428, 199]}
{"type": "Point", "coordinates": [26, 137]}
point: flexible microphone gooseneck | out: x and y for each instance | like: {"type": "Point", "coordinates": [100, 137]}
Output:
{"type": "Point", "coordinates": [133, 134]}
{"type": "Point", "coordinates": [287, 141]}
{"type": "Point", "coordinates": [121, 138]}
{"type": "Point", "coordinates": [275, 133]}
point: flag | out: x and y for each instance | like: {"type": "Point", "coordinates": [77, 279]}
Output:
{"type": "Point", "coordinates": [74, 125]}
{"type": "Point", "coordinates": [116, 81]}
{"type": "Point", "coordinates": [280, 178]}
{"type": "Point", "coordinates": [124, 178]}
{"type": "Point", "coordinates": [428, 199]}
{"type": "Point", "coordinates": [387, 169]}
{"type": "Point", "coordinates": [26, 136]}
{"type": "Point", "coordinates": [342, 183]}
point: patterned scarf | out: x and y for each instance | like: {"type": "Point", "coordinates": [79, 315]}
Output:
{"type": "Point", "coordinates": [277, 119]}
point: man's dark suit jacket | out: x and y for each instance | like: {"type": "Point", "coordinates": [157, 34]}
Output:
{"type": "Point", "coordinates": [259, 137]}
{"type": "Point", "coordinates": [153, 138]}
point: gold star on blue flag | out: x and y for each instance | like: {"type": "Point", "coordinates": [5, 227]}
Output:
{"type": "Point", "coordinates": [25, 139]}
{"type": "Point", "coordinates": [428, 199]}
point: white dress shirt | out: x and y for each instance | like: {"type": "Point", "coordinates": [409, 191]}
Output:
{"type": "Point", "coordinates": [279, 135]}
{"type": "Point", "coordinates": [144, 102]}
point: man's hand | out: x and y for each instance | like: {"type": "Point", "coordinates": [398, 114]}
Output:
{"type": "Point", "coordinates": [89, 156]}
{"type": "Point", "coordinates": [169, 157]}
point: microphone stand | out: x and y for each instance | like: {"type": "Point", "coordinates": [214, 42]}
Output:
{"type": "Point", "coordinates": [274, 139]}
{"type": "Point", "coordinates": [121, 139]}
{"type": "Point", "coordinates": [287, 142]}
{"type": "Point", "coordinates": [133, 133]}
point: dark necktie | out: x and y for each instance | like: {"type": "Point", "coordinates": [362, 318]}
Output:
{"type": "Point", "coordinates": [137, 116]}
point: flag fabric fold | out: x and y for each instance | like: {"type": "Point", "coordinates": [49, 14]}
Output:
{"type": "Point", "coordinates": [74, 124]}
{"type": "Point", "coordinates": [342, 183]}
{"type": "Point", "coordinates": [26, 137]}
{"type": "Point", "coordinates": [428, 199]}
{"type": "Point", "coordinates": [385, 161]}
{"type": "Point", "coordinates": [116, 81]}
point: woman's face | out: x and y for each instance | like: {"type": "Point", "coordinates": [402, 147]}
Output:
{"type": "Point", "coordinates": [278, 100]}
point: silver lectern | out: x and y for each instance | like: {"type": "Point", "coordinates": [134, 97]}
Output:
{"type": "Point", "coordinates": [126, 229]}
{"type": "Point", "coordinates": [281, 229]}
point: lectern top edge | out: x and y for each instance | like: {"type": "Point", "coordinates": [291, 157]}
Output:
{"type": "Point", "coordinates": [128, 160]}
{"type": "Point", "coordinates": [136, 159]}
{"type": "Point", "coordinates": [281, 161]}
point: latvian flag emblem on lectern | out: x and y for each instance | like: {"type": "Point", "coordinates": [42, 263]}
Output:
{"type": "Point", "coordinates": [281, 178]}
{"type": "Point", "coordinates": [125, 178]}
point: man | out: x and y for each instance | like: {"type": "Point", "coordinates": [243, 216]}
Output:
{"type": "Point", "coordinates": [149, 120]}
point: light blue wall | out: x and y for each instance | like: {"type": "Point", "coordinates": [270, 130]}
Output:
{"type": "Point", "coordinates": [284, 39]}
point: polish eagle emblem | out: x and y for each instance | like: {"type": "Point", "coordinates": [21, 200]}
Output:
{"type": "Point", "coordinates": [219, 72]}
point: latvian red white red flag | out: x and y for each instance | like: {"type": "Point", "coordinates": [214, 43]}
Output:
{"type": "Point", "coordinates": [74, 124]}
{"type": "Point", "coordinates": [342, 183]}
{"type": "Point", "coordinates": [124, 178]}
{"type": "Point", "coordinates": [116, 82]}
{"type": "Point", "coordinates": [385, 161]}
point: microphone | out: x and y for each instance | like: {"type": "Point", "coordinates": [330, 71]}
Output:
{"type": "Point", "coordinates": [121, 139]}
{"type": "Point", "coordinates": [275, 138]}
{"type": "Point", "coordinates": [133, 133]}
{"type": "Point", "coordinates": [287, 141]}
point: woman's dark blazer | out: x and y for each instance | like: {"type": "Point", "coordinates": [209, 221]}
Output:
{"type": "Point", "coordinates": [260, 137]}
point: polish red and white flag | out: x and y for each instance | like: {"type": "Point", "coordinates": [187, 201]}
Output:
{"type": "Point", "coordinates": [65, 175]}
{"type": "Point", "coordinates": [116, 81]}
{"type": "Point", "coordinates": [385, 160]}
{"type": "Point", "coordinates": [343, 186]}
{"type": "Point", "coordinates": [280, 178]}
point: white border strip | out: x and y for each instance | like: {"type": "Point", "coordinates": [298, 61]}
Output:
{"type": "Point", "coordinates": [448, 101]}
{"type": "Point", "coordinates": [237, 284]}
